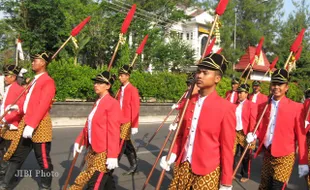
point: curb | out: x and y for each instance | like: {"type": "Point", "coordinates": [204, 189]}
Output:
{"type": "Point", "coordinates": [80, 121]}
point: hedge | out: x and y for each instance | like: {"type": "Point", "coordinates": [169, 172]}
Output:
{"type": "Point", "coordinates": [74, 82]}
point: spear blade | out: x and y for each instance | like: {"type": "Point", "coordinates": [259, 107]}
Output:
{"type": "Point", "coordinates": [298, 41]}
{"type": "Point", "coordinates": [273, 64]}
{"type": "Point", "coordinates": [128, 19]}
{"type": "Point", "coordinates": [75, 31]}
{"type": "Point", "coordinates": [221, 7]}
{"type": "Point", "coordinates": [297, 56]}
{"type": "Point", "coordinates": [141, 46]}
{"type": "Point", "coordinates": [210, 47]}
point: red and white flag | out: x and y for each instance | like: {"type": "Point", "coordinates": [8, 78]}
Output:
{"type": "Point", "coordinates": [19, 49]}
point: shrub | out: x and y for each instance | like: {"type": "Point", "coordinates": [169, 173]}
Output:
{"type": "Point", "coordinates": [74, 82]}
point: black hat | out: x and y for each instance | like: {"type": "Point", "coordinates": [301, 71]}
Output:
{"type": "Point", "coordinates": [307, 93]}
{"type": "Point", "coordinates": [125, 69]}
{"type": "Point", "coordinates": [43, 56]}
{"type": "Point", "coordinates": [243, 88]}
{"type": "Point", "coordinates": [235, 81]}
{"type": "Point", "coordinates": [256, 83]}
{"type": "Point", "coordinates": [214, 61]}
{"type": "Point", "coordinates": [11, 70]}
{"type": "Point", "coordinates": [105, 77]}
{"type": "Point", "coordinates": [280, 76]}
{"type": "Point", "coordinates": [191, 78]}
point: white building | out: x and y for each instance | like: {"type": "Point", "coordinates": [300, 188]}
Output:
{"type": "Point", "coordinates": [195, 31]}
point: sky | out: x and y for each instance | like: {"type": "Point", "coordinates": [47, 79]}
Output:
{"type": "Point", "coordinates": [288, 8]}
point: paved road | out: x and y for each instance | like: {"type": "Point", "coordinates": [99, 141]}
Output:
{"type": "Point", "coordinates": [62, 146]}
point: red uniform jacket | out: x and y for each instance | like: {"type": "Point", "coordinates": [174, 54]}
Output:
{"type": "Point", "coordinates": [214, 139]}
{"type": "Point", "coordinates": [306, 107]}
{"type": "Point", "coordinates": [130, 106]}
{"type": "Point", "coordinates": [289, 128]}
{"type": "Point", "coordinates": [228, 95]}
{"type": "Point", "coordinates": [105, 128]}
{"type": "Point", "coordinates": [14, 117]}
{"type": "Point", "coordinates": [40, 100]}
{"type": "Point", "coordinates": [261, 98]}
{"type": "Point", "coordinates": [249, 114]}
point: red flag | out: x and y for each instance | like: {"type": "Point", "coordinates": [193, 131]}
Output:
{"type": "Point", "coordinates": [209, 48]}
{"type": "Point", "coordinates": [274, 62]}
{"type": "Point", "coordinates": [219, 51]}
{"type": "Point", "coordinates": [298, 41]}
{"type": "Point", "coordinates": [297, 56]}
{"type": "Point", "coordinates": [259, 46]}
{"type": "Point", "coordinates": [141, 46]}
{"type": "Point", "coordinates": [220, 9]}
{"type": "Point", "coordinates": [128, 19]}
{"type": "Point", "coordinates": [79, 27]}
{"type": "Point", "coordinates": [258, 50]}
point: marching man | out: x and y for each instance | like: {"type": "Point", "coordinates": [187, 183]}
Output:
{"type": "Point", "coordinates": [281, 128]}
{"type": "Point", "coordinates": [203, 152]}
{"type": "Point", "coordinates": [14, 116]}
{"type": "Point", "coordinates": [129, 100]}
{"type": "Point", "coordinates": [35, 128]}
{"type": "Point", "coordinates": [246, 114]}
{"type": "Point", "coordinates": [256, 96]}
{"type": "Point", "coordinates": [231, 95]}
{"type": "Point", "coordinates": [307, 119]}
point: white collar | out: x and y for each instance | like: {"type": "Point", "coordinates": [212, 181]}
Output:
{"type": "Point", "coordinates": [124, 86]}
{"type": "Point", "coordinates": [38, 75]}
{"type": "Point", "coordinates": [276, 102]}
{"type": "Point", "coordinates": [241, 103]}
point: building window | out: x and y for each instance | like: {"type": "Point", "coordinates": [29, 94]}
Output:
{"type": "Point", "coordinates": [203, 44]}
{"type": "Point", "coordinates": [187, 36]}
{"type": "Point", "coordinates": [191, 35]}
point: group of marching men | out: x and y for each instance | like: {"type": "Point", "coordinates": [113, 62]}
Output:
{"type": "Point", "coordinates": [213, 129]}
{"type": "Point", "coordinates": [27, 125]}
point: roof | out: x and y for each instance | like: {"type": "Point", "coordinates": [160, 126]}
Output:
{"type": "Point", "coordinates": [262, 65]}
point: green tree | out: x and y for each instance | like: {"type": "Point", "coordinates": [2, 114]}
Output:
{"type": "Point", "coordinates": [289, 30]}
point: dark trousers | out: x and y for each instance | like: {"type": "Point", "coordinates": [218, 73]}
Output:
{"type": "Point", "coordinates": [42, 154]}
{"type": "Point", "coordinates": [4, 146]}
{"type": "Point", "coordinates": [128, 149]}
{"type": "Point", "coordinates": [244, 168]}
{"type": "Point", "coordinates": [101, 181]}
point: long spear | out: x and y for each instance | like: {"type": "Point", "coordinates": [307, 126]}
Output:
{"type": "Point", "coordinates": [163, 122]}
{"type": "Point", "coordinates": [295, 45]}
{"type": "Point", "coordinates": [159, 154]}
{"type": "Point", "coordinates": [138, 52]}
{"type": "Point", "coordinates": [220, 9]}
{"type": "Point", "coordinates": [124, 29]}
{"type": "Point", "coordinates": [255, 129]}
{"type": "Point", "coordinates": [74, 32]}
{"type": "Point", "coordinates": [160, 180]}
